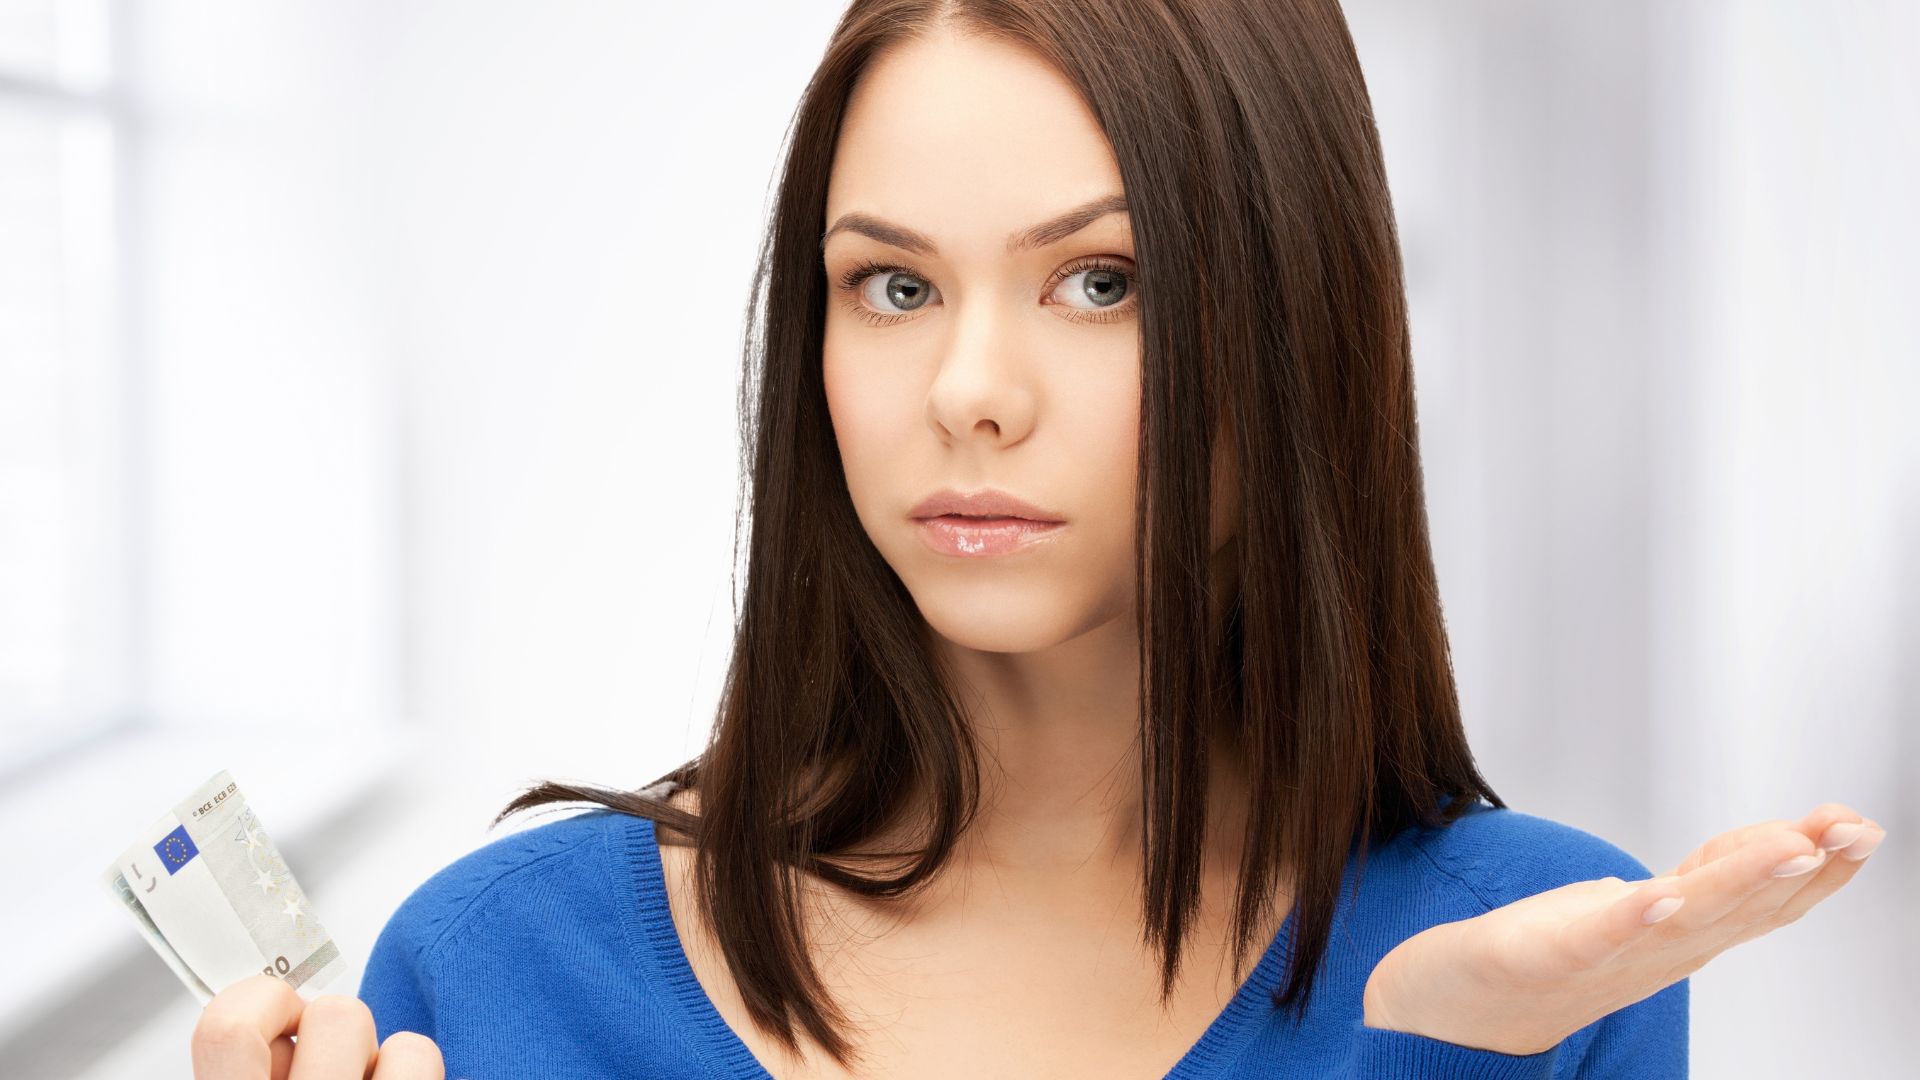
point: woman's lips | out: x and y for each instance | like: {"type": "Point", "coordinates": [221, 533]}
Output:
{"type": "Point", "coordinates": [970, 537]}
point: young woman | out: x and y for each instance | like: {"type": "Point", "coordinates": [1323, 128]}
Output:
{"type": "Point", "coordinates": [1091, 646]}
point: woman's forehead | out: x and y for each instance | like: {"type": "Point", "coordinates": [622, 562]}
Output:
{"type": "Point", "coordinates": [976, 125]}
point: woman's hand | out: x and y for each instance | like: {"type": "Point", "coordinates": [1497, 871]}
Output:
{"type": "Point", "coordinates": [1523, 977]}
{"type": "Point", "coordinates": [246, 1033]}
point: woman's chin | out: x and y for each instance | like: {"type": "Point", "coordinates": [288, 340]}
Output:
{"type": "Point", "coordinates": [995, 638]}
{"type": "Point", "coordinates": [1029, 623]}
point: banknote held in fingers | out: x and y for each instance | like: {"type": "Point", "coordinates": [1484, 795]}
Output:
{"type": "Point", "coordinates": [207, 887]}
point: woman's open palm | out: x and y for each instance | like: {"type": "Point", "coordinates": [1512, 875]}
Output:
{"type": "Point", "coordinates": [1521, 978]}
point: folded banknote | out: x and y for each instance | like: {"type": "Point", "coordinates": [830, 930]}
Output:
{"type": "Point", "coordinates": [209, 891]}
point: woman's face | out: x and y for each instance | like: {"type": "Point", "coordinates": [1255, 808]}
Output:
{"type": "Point", "coordinates": [976, 361]}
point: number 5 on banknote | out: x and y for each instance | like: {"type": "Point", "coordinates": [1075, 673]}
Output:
{"type": "Point", "coordinates": [209, 891]}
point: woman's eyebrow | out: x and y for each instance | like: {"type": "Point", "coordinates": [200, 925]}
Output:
{"type": "Point", "coordinates": [1050, 231]}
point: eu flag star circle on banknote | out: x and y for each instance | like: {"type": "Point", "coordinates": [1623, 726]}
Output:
{"type": "Point", "coordinates": [175, 850]}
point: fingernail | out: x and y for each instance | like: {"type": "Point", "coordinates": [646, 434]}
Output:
{"type": "Point", "coordinates": [1662, 908]}
{"type": "Point", "coordinates": [1865, 847]}
{"type": "Point", "coordinates": [1797, 865]}
{"type": "Point", "coordinates": [1841, 834]}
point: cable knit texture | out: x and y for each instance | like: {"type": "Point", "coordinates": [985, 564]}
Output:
{"type": "Point", "coordinates": [552, 953]}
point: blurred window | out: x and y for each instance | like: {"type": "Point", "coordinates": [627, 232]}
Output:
{"type": "Point", "coordinates": [66, 583]}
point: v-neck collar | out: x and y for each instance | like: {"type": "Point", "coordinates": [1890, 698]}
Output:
{"type": "Point", "coordinates": [650, 922]}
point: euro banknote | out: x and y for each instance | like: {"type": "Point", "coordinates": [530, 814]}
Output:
{"type": "Point", "coordinates": [207, 887]}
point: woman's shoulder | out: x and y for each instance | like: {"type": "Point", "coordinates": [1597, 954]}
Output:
{"type": "Point", "coordinates": [521, 852]}
{"type": "Point", "coordinates": [563, 914]}
{"type": "Point", "coordinates": [1500, 854]}
{"type": "Point", "coordinates": [513, 868]}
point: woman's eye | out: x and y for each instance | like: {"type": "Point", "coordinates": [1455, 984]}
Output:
{"type": "Point", "coordinates": [894, 291]}
{"type": "Point", "coordinates": [1101, 286]}
{"type": "Point", "coordinates": [1093, 290]}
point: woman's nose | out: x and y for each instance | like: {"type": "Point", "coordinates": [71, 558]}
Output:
{"type": "Point", "coordinates": [981, 386]}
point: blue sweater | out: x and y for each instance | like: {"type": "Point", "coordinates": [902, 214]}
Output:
{"type": "Point", "coordinates": [552, 952]}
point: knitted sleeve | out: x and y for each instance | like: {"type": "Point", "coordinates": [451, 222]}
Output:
{"type": "Point", "coordinates": [398, 983]}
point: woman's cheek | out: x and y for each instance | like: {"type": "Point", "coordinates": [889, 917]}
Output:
{"type": "Point", "coordinates": [857, 418]}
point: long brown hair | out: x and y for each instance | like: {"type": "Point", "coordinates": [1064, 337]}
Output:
{"type": "Point", "coordinates": [1273, 316]}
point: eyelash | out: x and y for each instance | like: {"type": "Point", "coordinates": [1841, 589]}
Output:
{"type": "Point", "coordinates": [853, 279]}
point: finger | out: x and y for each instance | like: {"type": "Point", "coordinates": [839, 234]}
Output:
{"type": "Point", "coordinates": [1830, 878]}
{"type": "Point", "coordinates": [1832, 826]}
{"type": "Point", "coordinates": [336, 1040]}
{"type": "Point", "coordinates": [1760, 912]}
{"type": "Point", "coordinates": [1867, 844]}
{"type": "Point", "coordinates": [1598, 937]}
{"type": "Point", "coordinates": [282, 1051]}
{"type": "Point", "coordinates": [409, 1055]}
{"type": "Point", "coordinates": [231, 1040]}
{"type": "Point", "coordinates": [1729, 842]}
{"type": "Point", "coordinates": [1814, 826]}
{"type": "Point", "coordinates": [1719, 888]}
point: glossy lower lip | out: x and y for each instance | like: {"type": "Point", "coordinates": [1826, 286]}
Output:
{"type": "Point", "coordinates": [979, 537]}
